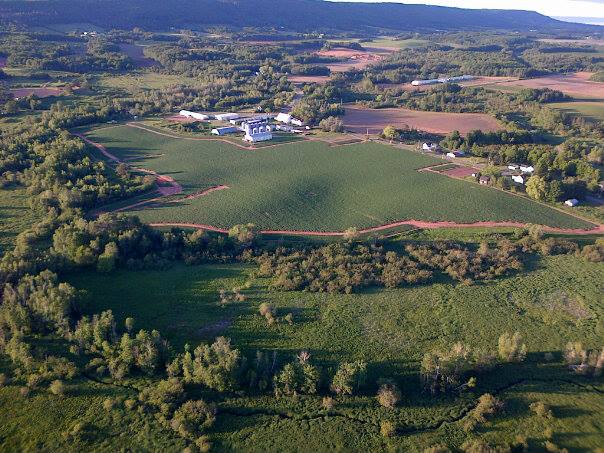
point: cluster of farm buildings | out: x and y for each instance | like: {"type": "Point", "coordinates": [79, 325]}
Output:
{"type": "Point", "coordinates": [463, 78]}
{"type": "Point", "coordinates": [258, 128]}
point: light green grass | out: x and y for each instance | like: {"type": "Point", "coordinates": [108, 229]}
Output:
{"type": "Point", "coordinates": [15, 216]}
{"type": "Point", "coordinates": [390, 329]}
{"type": "Point", "coordinates": [593, 110]}
{"type": "Point", "coordinates": [311, 186]}
{"type": "Point", "coordinates": [396, 43]}
{"type": "Point", "coordinates": [142, 81]}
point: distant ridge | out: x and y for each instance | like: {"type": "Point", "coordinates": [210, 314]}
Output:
{"type": "Point", "coordinates": [296, 15]}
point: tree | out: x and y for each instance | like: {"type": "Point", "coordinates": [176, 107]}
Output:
{"type": "Point", "coordinates": [216, 365]}
{"type": "Point", "coordinates": [390, 133]}
{"type": "Point", "coordinates": [349, 377]}
{"type": "Point", "coordinates": [106, 261]}
{"type": "Point", "coordinates": [244, 234]}
{"type": "Point", "coordinates": [192, 418]}
{"type": "Point", "coordinates": [536, 187]}
{"type": "Point", "coordinates": [331, 124]}
{"type": "Point", "coordinates": [511, 347]}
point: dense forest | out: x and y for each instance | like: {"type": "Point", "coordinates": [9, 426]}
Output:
{"type": "Point", "coordinates": [290, 14]}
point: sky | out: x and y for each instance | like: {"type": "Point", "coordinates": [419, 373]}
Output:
{"type": "Point", "coordinates": [552, 8]}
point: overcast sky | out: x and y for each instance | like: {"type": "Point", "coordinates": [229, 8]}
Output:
{"type": "Point", "coordinates": [559, 8]}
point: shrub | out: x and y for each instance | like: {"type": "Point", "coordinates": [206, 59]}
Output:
{"type": "Point", "coordinates": [511, 348]}
{"type": "Point", "coordinates": [541, 409]}
{"type": "Point", "coordinates": [192, 418]}
{"type": "Point", "coordinates": [328, 403]}
{"type": "Point", "coordinates": [57, 387]}
{"type": "Point", "coordinates": [487, 406]}
{"type": "Point", "coordinates": [388, 395]}
{"type": "Point", "coordinates": [108, 404]}
{"type": "Point", "coordinates": [349, 377]}
{"type": "Point", "coordinates": [387, 428]}
{"type": "Point", "coordinates": [553, 448]}
{"type": "Point", "coordinates": [3, 379]}
{"type": "Point", "coordinates": [437, 449]}
{"type": "Point", "coordinates": [130, 404]}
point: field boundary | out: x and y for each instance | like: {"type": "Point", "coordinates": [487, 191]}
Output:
{"type": "Point", "coordinates": [599, 229]}
{"type": "Point", "coordinates": [175, 188]}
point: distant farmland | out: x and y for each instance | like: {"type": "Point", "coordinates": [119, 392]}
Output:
{"type": "Point", "coordinates": [375, 120]}
{"type": "Point", "coordinates": [311, 186]}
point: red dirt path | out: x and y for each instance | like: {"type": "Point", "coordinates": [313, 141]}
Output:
{"type": "Point", "coordinates": [414, 223]}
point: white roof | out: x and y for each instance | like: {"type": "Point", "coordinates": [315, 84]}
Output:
{"type": "Point", "coordinates": [226, 116]}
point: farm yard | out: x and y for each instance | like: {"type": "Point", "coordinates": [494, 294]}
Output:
{"type": "Point", "coordinates": [359, 120]}
{"type": "Point", "coordinates": [310, 186]}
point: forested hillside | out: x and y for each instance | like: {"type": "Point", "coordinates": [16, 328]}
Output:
{"type": "Point", "coordinates": [291, 14]}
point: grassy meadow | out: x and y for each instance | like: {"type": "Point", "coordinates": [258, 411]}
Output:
{"type": "Point", "coordinates": [311, 186]}
{"type": "Point", "coordinates": [557, 300]}
{"type": "Point", "coordinates": [590, 109]}
{"type": "Point", "coordinates": [15, 216]}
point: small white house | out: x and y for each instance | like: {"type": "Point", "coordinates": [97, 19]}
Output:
{"type": "Point", "coordinates": [519, 179]}
{"type": "Point", "coordinates": [527, 169]}
{"type": "Point", "coordinates": [514, 167]}
{"type": "Point", "coordinates": [572, 202]}
{"type": "Point", "coordinates": [226, 116]}
{"type": "Point", "coordinates": [194, 115]}
{"type": "Point", "coordinates": [429, 146]}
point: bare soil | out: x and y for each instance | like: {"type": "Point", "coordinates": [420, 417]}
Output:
{"type": "Point", "coordinates": [41, 92]}
{"type": "Point", "coordinates": [577, 84]}
{"type": "Point", "coordinates": [361, 120]}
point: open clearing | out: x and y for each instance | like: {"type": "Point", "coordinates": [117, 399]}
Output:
{"type": "Point", "coordinates": [577, 84]}
{"type": "Point", "coordinates": [359, 120]}
{"type": "Point", "coordinates": [309, 185]}
{"type": "Point", "coordinates": [593, 110]}
{"type": "Point", "coordinates": [353, 59]}
{"type": "Point", "coordinates": [137, 54]}
{"type": "Point", "coordinates": [391, 330]}
{"type": "Point", "coordinates": [41, 92]}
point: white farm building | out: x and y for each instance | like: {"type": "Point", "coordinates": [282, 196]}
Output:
{"type": "Point", "coordinates": [226, 116]}
{"type": "Point", "coordinates": [462, 78]}
{"type": "Point", "coordinates": [286, 118]}
{"type": "Point", "coordinates": [256, 130]}
{"type": "Point", "coordinates": [572, 202]}
{"type": "Point", "coordinates": [194, 115]}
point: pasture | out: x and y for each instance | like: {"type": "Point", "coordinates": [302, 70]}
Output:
{"type": "Point", "coordinates": [557, 300]}
{"type": "Point", "coordinates": [309, 185]}
{"type": "Point", "coordinates": [593, 110]}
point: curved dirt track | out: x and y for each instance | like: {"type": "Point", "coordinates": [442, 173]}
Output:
{"type": "Point", "coordinates": [413, 223]}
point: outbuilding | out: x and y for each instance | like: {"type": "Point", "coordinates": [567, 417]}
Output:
{"type": "Point", "coordinates": [572, 202]}
{"type": "Point", "coordinates": [194, 115]}
{"type": "Point", "coordinates": [484, 180]}
{"type": "Point", "coordinates": [519, 179]}
{"type": "Point", "coordinates": [225, 130]}
{"type": "Point", "coordinates": [226, 116]}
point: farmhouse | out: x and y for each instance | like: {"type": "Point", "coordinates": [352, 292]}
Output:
{"type": "Point", "coordinates": [194, 115]}
{"type": "Point", "coordinates": [226, 116]}
{"type": "Point", "coordinates": [429, 146]}
{"type": "Point", "coordinates": [484, 180]}
{"type": "Point", "coordinates": [572, 202]}
{"type": "Point", "coordinates": [454, 154]}
{"type": "Point", "coordinates": [225, 130]}
{"type": "Point", "coordinates": [256, 130]}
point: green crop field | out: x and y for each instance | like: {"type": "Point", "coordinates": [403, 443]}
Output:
{"type": "Point", "coordinates": [397, 43]}
{"type": "Point", "coordinates": [557, 301]}
{"type": "Point", "coordinates": [311, 186]}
